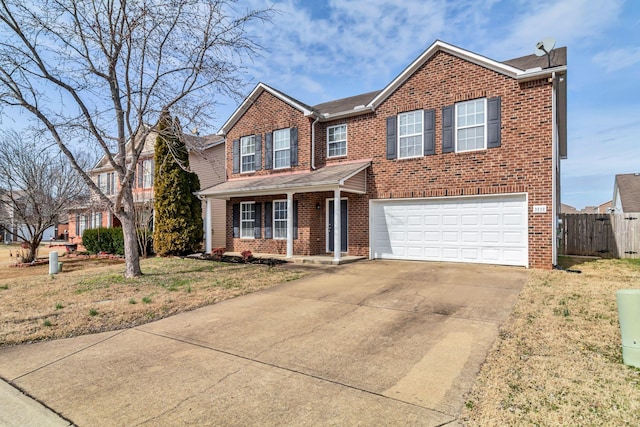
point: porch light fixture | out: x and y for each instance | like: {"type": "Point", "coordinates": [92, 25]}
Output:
{"type": "Point", "coordinates": [317, 206]}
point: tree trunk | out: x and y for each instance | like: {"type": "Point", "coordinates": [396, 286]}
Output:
{"type": "Point", "coordinates": [131, 254]}
{"type": "Point", "coordinates": [33, 249]}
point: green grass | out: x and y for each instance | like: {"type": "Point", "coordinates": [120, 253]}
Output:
{"type": "Point", "coordinates": [4, 287]}
{"type": "Point", "coordinates": [93, 312]}
{"type": "Point", "coordinates": [59, 306]}
{"type": "Point", "coordinates": [132, 301]}
{"type": "Point", "coordinates": [146, 300]}
{"type": "Point", "coordinates": [47, 323]}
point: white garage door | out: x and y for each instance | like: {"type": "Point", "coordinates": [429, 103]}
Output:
{"type": "Point", "coordinates": [484, 229]}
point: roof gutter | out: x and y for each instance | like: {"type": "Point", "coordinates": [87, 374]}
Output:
{"type": "Point", "coordinates": [535, 74]}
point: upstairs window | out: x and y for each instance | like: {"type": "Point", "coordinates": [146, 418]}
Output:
{"type": "Point", "coordinates": [106, 183]}
{"type": "Point", "coordinates": [471, 129]}
{"type": "Point", "coordinates": [248, 154]}
{"type": "Point", "coordinates": [145, 173]}
{"type": "Point", "coordinates": [410, 134]}
{"type": "Point", "coordinates": [281, 148]}
{"type": "Point", "coordinates": [337, 141]}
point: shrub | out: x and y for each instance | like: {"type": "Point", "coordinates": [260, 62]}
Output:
{"type": "Point", "coordinates": [108, 240]}
{"type": "Point", "coordinates": [178, 212]}
{"type": "Point", "coordinates": [246, 255]}
{"type": "Point", "coordinates": [218, 252]}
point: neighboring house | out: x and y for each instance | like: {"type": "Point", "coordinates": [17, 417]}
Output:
{"type": "Point", "coordinates": [568, 209]}
{"type": "Point", "coordinates": [94, 214]}
{"type": "Point", "coordinates": [208, 162]}
{"type": "Point", "coordinates": [456, 159]}
{"type": "Point", "coordinates": [602, 208]}
{"type": "Point", "coordinates": [13, 229]}
{"type": "Point", "coordinates": [626, 193]}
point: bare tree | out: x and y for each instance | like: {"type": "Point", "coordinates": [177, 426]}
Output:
{"type": "Point", "coordinates": [38, 185]}
{"type": "Point", "coordinates": [101, 71]}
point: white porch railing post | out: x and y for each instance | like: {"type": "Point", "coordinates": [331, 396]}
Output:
{"type": "Point", "coordinates": [289, 225]}
{"type": "Point", "coordinates": [337, 229]}
{"type": "Point", "coordinates": [207, 227]}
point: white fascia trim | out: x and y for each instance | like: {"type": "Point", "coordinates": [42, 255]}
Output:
{"type": "Point", "coordinates": [251, 98]}
{"type": "Point", "coordinates": [355, 112]}
{"type": "Point", "coordinates": [533, 75]}
{"type": "Point", "coordinates": [439, 45]}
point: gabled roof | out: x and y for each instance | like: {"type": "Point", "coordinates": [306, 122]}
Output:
{"type": "Point", "coordinates": [523, 68]}
{"type": "Point", "coordinates": [628, 186]}
{"type": "Point", "coordinates": [249, 100]}
{"type": "Point", "coordinates": [511, 70]}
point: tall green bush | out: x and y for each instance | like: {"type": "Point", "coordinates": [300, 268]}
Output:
{"type": "Point", "coordinates": [178, 212]}
{"type": "Point", "coordinates": [108, 240]}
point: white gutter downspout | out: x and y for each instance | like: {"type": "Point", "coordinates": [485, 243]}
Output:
{"type": "Point", "coordinates": [313, 143]}
{"type": "Point", "coordinates": [554, 161]}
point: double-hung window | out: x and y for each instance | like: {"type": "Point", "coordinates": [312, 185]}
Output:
{"type": "Point", "coordinates": [280, 219]}
{"type": "Point", "coordinates": [147, 173]}
{"type": "Point", "coordinates": [248, 153]}
{"type": "Point", "coordinates": [471, 129]}
{"type": "Point", "coordinates": [410, 138]}
{"type": "Point", "coordinates": [111, 183]}
{"type": "Point", "coordinates": [282, 148]}
{"type": "Point", "coordinates": [247, 220]}
{"type": "Point", "coordinates": [337, 141]}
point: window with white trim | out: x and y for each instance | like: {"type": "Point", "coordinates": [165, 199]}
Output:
{"type": "Point", "coordinates": [247, 220]}
{"type": "Point", "coordinates": [281, 148]}
{"type": "Point", "coordinates": [248, 153]}
{"type": "Point", "coordinates": [106, 183]}
{"type": "Point", "coordinates": [147, 173]}
{"type": "Point", "coordinates": [280, 219]}
{"type": "Point", "coordinates": [337, 141]}
{"type": "Point", "coordinates": [410, 137]}
{"type": "Point", "coordinates": [471, 125]}
{"type": "Point", "coordinates": [97, 220]}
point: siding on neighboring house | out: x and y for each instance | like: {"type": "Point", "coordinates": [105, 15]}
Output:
{"type": "Point", "coordinates": [210, 166]}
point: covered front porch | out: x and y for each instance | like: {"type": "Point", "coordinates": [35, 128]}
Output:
{"type": "Point", "coordinates": [292, 214]}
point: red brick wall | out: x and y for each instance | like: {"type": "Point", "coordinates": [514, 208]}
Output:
{"type": "Point", "coordinates": [523, 164]}
{"type": "Point", "coordinates": [311, 226]}
{"type": "Point", "coordinates": [267, 114]}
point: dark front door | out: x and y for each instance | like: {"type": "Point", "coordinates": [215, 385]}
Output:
{"type": "Point", "coordinates": [343, 226]}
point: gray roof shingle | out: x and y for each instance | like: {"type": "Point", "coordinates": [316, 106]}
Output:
{"type": "Point", "coordinates": [558, 58]}
{"type": "Point", "coordinates": [280, 183]}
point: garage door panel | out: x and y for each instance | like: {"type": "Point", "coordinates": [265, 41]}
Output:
{"type": "Point", "coordinates": [484, 229]}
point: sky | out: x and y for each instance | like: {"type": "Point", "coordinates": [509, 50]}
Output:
{"type": "Point", "coordinates": [321, 50]}
{"type": "Point", "coordinates": [316, 51]}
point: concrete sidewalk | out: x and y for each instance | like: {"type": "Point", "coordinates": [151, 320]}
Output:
{"type": "Point", "coordinates": [371, 343]}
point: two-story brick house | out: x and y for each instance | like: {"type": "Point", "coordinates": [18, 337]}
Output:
{"type": "Point", "coordinates": [457, 159]}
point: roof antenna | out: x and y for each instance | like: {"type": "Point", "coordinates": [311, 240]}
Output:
{"type": "Point", "coordinates": [545, 47]}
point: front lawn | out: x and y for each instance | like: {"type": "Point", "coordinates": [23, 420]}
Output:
{"type": "Point", "coordinates": [558, 359]}
{"type": "Point", "coordinates": [92, 295]}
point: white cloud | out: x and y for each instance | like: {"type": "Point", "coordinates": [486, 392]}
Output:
{"type": "Point", "coordinates": [568, 21]}
{"type": "Point", "coordinates": [617, 59]}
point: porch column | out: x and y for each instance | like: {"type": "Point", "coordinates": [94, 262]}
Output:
{"type": "Point", "coordinates": [207, 227]}
{"type": "Point", "coordinates": [289, 225]}
{"type": "Point", "coordinates": [337, 230]}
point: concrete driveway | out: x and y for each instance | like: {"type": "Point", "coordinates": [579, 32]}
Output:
{"type": "Point", "coordinates": [371, 343]}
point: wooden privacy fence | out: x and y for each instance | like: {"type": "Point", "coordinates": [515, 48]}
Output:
{"type": "Point", "coordinates": [604, 235]}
